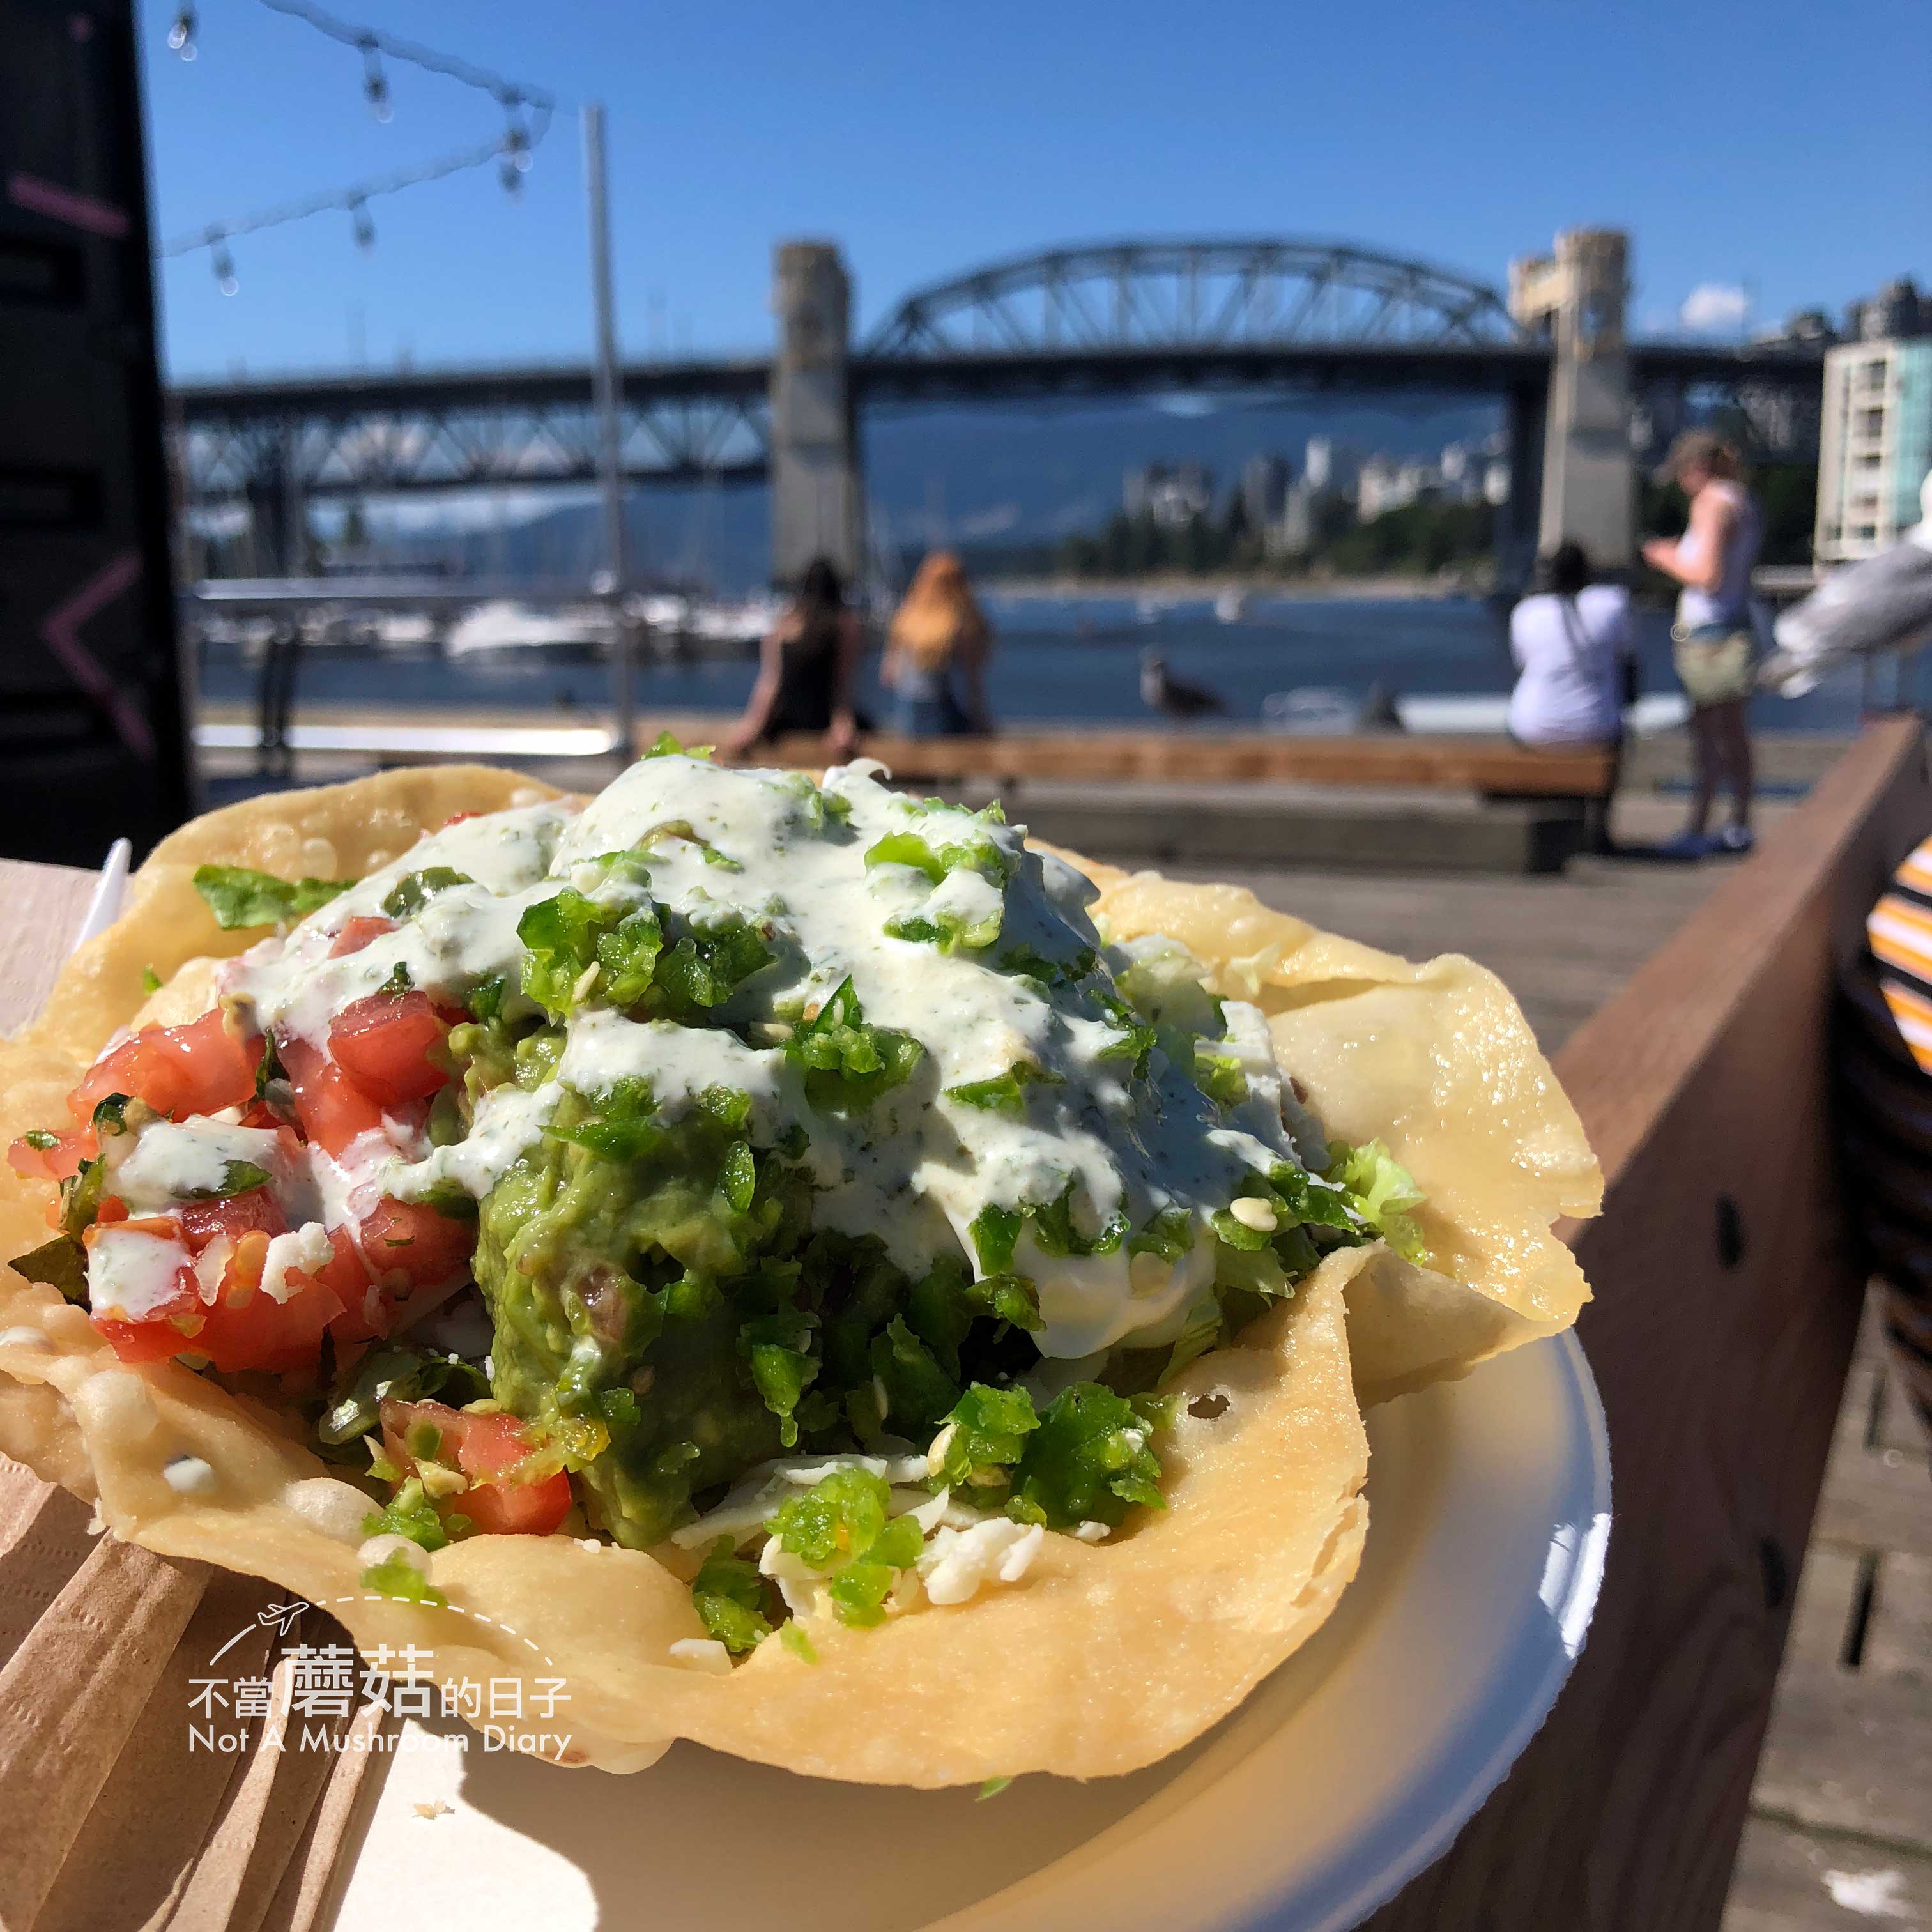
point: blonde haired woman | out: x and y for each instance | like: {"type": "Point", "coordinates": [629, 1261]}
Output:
{"type": "Point", "coordinates": [936, 653]}
{"type": "Point", "coordinates": [1715, 645]}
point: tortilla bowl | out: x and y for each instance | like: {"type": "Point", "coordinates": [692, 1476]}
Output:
{"type": "Point", "coordinates": [1107, 1656]}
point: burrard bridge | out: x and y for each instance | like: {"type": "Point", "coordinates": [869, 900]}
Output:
{"type": "Point", "coordinates": [1121, 318]}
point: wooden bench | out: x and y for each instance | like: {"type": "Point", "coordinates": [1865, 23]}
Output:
{"type": "Point", "coordinates": [1494, 767]}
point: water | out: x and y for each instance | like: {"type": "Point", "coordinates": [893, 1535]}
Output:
{"type": "Point", "coordinates": [1059, 660]}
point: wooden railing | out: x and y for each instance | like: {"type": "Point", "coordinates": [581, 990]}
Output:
{"type": "Point", "coordinates": [1728, 1285]}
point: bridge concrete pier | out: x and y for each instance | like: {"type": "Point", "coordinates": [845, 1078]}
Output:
{"type": "Point", "coordinates": [1575, 299]}
{"type": "Point", "coordinates": [813, 461]}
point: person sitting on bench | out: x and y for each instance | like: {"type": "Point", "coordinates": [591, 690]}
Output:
{"type": "Point", "coordinates": [1570, 639]}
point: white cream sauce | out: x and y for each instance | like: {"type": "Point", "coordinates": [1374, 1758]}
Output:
{"type": "Point", "coordinates": [914, 1168]}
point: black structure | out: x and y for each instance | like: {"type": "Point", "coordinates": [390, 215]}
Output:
{"type": "Point", "coordinates": [1115, 319]}
{"type": "Point", "coordinates": [92, 742]}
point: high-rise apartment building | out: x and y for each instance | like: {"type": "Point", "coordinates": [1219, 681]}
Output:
{"type": "Point", "coordinates": [1874, 444]}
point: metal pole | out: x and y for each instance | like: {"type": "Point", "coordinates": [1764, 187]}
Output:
{"type": "Point", "coordinates": [613, 578]}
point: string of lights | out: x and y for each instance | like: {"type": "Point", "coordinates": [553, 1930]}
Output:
{"type": "Point", "coordinates": [527, 111]}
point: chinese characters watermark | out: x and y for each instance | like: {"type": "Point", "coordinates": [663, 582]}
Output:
{"type": "Point", "coordinates": [314, 1688]}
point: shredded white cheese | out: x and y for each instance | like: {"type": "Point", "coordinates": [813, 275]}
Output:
{"type": "Point", "coordinates": [957, 1562]}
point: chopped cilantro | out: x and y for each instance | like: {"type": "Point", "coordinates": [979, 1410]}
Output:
{"type": "Point", "coordinates": [60, 1263]}
{"type": "Point", "coordinates": [410, 894]}
{"type": "Point", "coordinates": [151, 980]}
{"type": "Point", "coordinates": [792, 1635]}
{"type": "Point", "coordinates": [237, 1176]}
{"type": "Point", "coordinates": [1002, 1094]}
{"type": "Point", "coordinates": [992, 1788]}
{"type": "Point", "coordinates": [1029, 963]}
{"type": "Point", "coordinates": [240, 898]}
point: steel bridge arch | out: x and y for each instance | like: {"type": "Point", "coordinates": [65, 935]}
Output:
{"type": "Point", "coordinates": [1229, 292]}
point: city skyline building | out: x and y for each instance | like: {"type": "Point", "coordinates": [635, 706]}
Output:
{"type": "Point", "coordinates": [1875, 443]}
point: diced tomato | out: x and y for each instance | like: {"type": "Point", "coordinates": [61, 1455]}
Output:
{"type": "Point", "coordinates": [167, 1329]}
{"type": "Point", "coordinates": [410, 1240]}
{"type": "Point", "coordinates": [357, 932]}
{"type": "Point", "coordinates": [197, 1069]}
{"type": "Point", "coordinates": [248, 1328]}
{"type": "Point", "coordinates": [391, 1047]}
{"type": "Point", "coordinates": [404, 1257]}
{"type": "Point", "coordinates": [257, 1211]}
{"type": "Point", "coordinates": [332, 1110]}
{"type": "Point", "coordinates": [484, 1447]}
{"type": "Point", "coordinates": [153, 1341]}
{"type": "Point", "coordinates": [457, 818]}
{"type": "Point", "coordinates": [56, 1162]}
{"type": "Point", "coordinates": [112, 1208]}
{"type": "Point", "coordinates": [245, 1327]}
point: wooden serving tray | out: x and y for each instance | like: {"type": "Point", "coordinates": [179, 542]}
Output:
{"type": "Point", "coordinates": [119, 1816]}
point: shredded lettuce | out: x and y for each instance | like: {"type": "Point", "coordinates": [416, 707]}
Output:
{"type": "Point", "coordinates": [240, 898]}
{"type": "Point", "coordinates": [1220, 1076]}
{"type": "Point", "coordinates": [1380, 1190]}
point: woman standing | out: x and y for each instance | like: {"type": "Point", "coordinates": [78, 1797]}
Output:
{"type": "Point", "coordinates": [1715, 645]}
{"type": "Point", "coordinates": [936, 653]}
{"type": "Point", "coordinates": [807, 668]}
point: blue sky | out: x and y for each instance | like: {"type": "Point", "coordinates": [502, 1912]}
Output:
{"type": "Point", "coordinates": [1773, 149]}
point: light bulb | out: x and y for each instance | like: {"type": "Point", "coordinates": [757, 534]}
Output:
{"type": "Point", "coordinates": [375, 85]}
{"type": "Point", "coordinates": [181, 35]}
{"type": "Point", "coordinates": [223, 265]}
{"type": "Point", "coordinates": [365, 228]}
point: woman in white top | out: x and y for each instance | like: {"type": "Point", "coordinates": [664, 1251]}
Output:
{"type": "Point", "coordinates": [1715, 644]}
{"type": "Point", "coordinates": [1569, 639]}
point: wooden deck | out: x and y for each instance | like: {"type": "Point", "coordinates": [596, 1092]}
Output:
{"type": "Point", "coordinates": [1839, 1831]}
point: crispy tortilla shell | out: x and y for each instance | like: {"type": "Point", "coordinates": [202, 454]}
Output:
{"type": "Point", "coordinates": [1106, 1657]}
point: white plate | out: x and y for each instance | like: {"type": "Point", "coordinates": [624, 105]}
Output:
{"type": "Point", "coordinates": [1346, 1773]}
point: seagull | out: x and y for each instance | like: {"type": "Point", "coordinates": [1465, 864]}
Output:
{"type": "Point", "coordinates": [1170, 696]}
